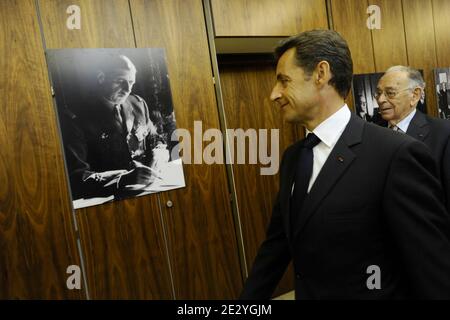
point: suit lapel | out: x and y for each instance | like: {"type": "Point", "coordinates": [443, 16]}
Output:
{"type": "Point", "coordinates": [419, 127]}
{"type": "Point", "coordinates": [285, 195]}
{"type": "Point", "coordinates": [337, 163]}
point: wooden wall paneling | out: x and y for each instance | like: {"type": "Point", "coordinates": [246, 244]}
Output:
{"type": "Point", "coordinates": [389, 45]}
{"type": "Point", "coordinates": [104, 24]}
{"type": "Point", "coordinates": [420, 43]}
{"type": "Point", "coordinates": [267, 17]}
{"type": "Point", "coordinates": [37, 240]}
{"type": "Point", "coordinates": [349, 19]}
{"type": "Point", "coordinates": [441, 14]}
{"type": "Point", "coordinates": [201, 236]}
{"type": "Point", "coordinates": [253, 109]}
{"type": "Point", "coordinates": [123, 242]}
{"type": "Point", "coordinates": [313, 15]}
{"type": "Point", "coordinates": [246, 92]}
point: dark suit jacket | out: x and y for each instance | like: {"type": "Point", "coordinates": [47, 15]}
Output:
{"type": "Point", "coordinates": [95, 143]}
{"type": "Point", "coordinates": [376, 202]}
{"type": "Point", "coordinates": [443, 99]}
{"type": "Point", "coordinates": [435, 133]}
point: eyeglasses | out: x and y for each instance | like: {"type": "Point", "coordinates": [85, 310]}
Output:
{"type": "Point", "coordinates": [389, 93]}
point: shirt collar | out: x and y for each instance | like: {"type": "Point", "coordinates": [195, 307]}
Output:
{"type": "Point", "coordinates": [331, 128]}
{"type": "Point", "coordinates": [404, 124]}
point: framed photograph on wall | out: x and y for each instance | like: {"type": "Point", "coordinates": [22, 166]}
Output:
{"type": "Point", "coordinates": [117, 123]}
{"type": "Point", "coordinates": [366, 107]}
{"type": "Point", "coordinates": [442, 80]}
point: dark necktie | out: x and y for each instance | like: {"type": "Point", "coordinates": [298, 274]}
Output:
{"type": "Point", "coordinates": [302, 176]}
{"type": "Point", "coordinates": [396, 128]}
{"type": "Point", "coordinates": [118, 116]}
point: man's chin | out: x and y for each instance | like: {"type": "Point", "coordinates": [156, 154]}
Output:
{"type": "Point", "coordinates": [386, 116]}
{"type": "Point", "coordinates": [290, 119]}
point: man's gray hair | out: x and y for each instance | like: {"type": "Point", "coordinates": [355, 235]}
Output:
{"type": "Point", "coordinates": [414, 76]}
{"type": "Point", "coordinates": [113, 62]}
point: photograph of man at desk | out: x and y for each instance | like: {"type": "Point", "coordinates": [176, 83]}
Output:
{"type": "Point", "coordinates": [116, 118]}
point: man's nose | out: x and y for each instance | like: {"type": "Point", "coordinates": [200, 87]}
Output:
{"type": "Point", "coordinates": [126, 86]}
{"type": "Point", "coordinates": [275, 94]}
{"type": "Point", "coordinates": [381, 98]}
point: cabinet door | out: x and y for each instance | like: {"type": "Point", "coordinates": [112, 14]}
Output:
{"type": "Point", "coordinates": [200, 227]}
{"type": "Point", "coordinates": [37, 238]}
{"type": "Point", "coordinates": [123, 242]}
{"type": "Point", "coordinates": [349, 19]}
{"type": "Point", "coordinates": [421, 44]}
{"type": "Point", "coordinates": [441, 12]}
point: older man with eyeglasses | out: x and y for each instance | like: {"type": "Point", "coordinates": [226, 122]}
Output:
{"type": "Point", "coordinates": [398, 93]}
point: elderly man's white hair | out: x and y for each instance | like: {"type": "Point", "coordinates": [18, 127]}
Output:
{"type": "Point", "coordinates": [128, 63]}
{"type": "Point", "coordinates": [414, 76]}
{"type": "Point", "coordinates": [114, 62]}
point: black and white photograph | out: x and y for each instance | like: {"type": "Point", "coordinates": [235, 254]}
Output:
{"type": "Point", "coordinates": [116, 120]}
{"type": "Point", "coordinates": [364, 87]}
{"type": "Point", "coordinates": [442, 80]}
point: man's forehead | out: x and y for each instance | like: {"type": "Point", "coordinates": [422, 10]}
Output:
{"type": "Point", "coordinates": [122, 73]}
{"type": "Point", "coordinates": [285, 63]}
{"type": "Point", "coordinates": [393, 79]}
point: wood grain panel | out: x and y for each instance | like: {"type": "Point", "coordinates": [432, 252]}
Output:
{"type": "Point", "coordinates": [124, 245]}
{"type": "Point", "coordinates": [104, 24]}
{"type": "Point", "coordinates": [247, 105]}
{"type": "Point", "coordinates": [420, 43]}
{"type": "Point", "coordinates": [267, 17]}
{"type": "Point", "coordinates": [441, 13]}
{"type": "Point", "coordinates": [123, 241]}
{"type": "Point", "coordinates": [389, 42]}
{"type": "Point", "coordinates": [201, 234]}
{"type": "Point", "coordinates": [37, 240]}
{"type": "Point", "coordinates": [349, 19]}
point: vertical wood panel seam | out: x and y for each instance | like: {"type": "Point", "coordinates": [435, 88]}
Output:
{"type": "Point", "coordinates": [329, 9]}
{"type": "Point", "coordinates": [437, 59]}
{"type": "Point", "coordinates": [132, 23]}
{"type": "Point", "coordinates": [212, 17]}
{"type": "Point", "coordinates": [207, 12]}
{"type": "Point", "coordinates": [158, 196]}
{"type": "Point", "coordinates": [404, 33]}
{"type": "Point", "coordinates": [166, 246]}
{"type": "Point", "coordinates": [74, 218]}
{"type": "Point", "coordinates": [434, 33]}
{"type": "Point", "coordinates": [373, 44]}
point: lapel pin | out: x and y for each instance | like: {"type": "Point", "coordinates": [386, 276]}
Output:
{"type": "Point", "coordinates": [340, 159]}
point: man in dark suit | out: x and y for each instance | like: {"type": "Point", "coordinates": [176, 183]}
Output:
{"type": "Point", "coordinates": [109, 142]}
{"type": "Point", "coordinates": [443, 100]}
{"type": "Point", "coordinates": [399, 108]}
{"type": "Point", "coordinates": [350, 234]}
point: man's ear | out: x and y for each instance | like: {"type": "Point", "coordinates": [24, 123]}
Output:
{"type": "Point", "coordinates": [416, 95]}
{"type": "Point", "coordinates": [323, 73]}
{"type": "Point", "coordinates": [101, 77]}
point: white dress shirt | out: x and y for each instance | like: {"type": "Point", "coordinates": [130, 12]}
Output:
{"type": "Point", "coordinates": [329, 132]}
{"type": "Point", "coordinates": [404, 124]}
